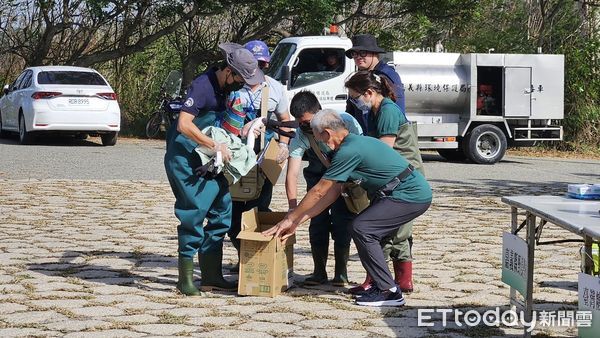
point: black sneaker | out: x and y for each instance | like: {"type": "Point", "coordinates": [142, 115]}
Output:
{"type": "Point", "coordinates": [381, 298]}
{"type": "Point", "coordinates": [368, 291]}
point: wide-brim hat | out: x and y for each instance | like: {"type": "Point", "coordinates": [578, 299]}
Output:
{"type": "Point", "coordinates": [364, 42]}
{"type": "Point", "coordinates": [243, 62]}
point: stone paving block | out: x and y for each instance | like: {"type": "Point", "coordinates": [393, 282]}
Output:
{"type": "Point", "coordinates": [113, 290]}
{"type": "Point", "coordinates": [32, 317]}
{"type": "Point", "coordinates": [104, 334]}
{"type": "Point", "coordinates": [213, 322]}
{"type": "Point", "coordinates": [135, 319]}
{"type": "Point", "coordinates": [6, 307]}
{"type": "Point", "coordinates": [72, 325]}
{"type": "Point", "coordinates": [184, 311]}
{"type": "Point", "coordinates": [234, 334]}
{"type": "Point", "coordinates": [333, 333]}
{"type": "Point", "coordinates": [398, 331]}
{"type": "Point", "coordinates": [119, 298]}
{"type": "Point", "coordinates": [326, 323]}
{"type": "Point", "coordinates": [22, 332]}
{"type": "Point", "coordinates": [272, 328]}
{"type": "Point", "coordinates": [12, 288]}
{"type": "Point", "coordinates": [279, 317]}
{"type": "Point", "coordinates": [163, 329]}
{"type": "Point", "coordinates": [59, 303]}
{"type": "Point", "coordinates": [58, 287]}
{"type": "Point", "coordinates": [98, 311]}
{"type": "Point", "coordinates": [147, 305]}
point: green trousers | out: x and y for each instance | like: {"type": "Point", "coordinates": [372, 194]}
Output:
{"type": "Point", "coordinates": [196, 199]}
{"type": "Point", "coordinates": [398, 247]}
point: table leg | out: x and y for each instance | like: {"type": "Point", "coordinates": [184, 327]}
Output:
{"type": "Point", "coordinates": [514, 224]}
{"type": "Point", "coordinates": [588, 262]}
{"type": "Point", "coordinates": [530, 263]}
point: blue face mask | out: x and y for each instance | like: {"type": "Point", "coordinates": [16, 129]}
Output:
{"type": "Point", "coordinates": [361, 104]}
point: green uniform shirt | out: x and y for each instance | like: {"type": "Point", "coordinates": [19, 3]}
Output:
{"type": "Point", "coordinates": [374, 164]}
{"type": "Point", "coordinates": [387, 121]}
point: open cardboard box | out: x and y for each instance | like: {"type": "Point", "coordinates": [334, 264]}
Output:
{"type": "Point", "coordinates": [266, 263]}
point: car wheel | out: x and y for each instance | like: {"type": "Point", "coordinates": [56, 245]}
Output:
{"type": "Point", "coordinates": [485, 144]}
{"type": "Point", "coordinates": [153, 125]}
{"type": "Point", "coordinates": [109, 139]}
{"type": "Point", "coordinates": [2, 133]}
{"type": "Point", "coordinates": [25, 137]}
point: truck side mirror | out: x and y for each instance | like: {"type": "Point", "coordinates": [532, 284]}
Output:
{"type": "Point", "coordinates": [285, 75]}
{"type": "Point", "coordinates": [6, 89]}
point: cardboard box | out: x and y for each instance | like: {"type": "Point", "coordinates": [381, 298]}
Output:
{"type": "Point", "coordinates": [267, 160]}
{"type": "Point", "coordinates": [266, 264]}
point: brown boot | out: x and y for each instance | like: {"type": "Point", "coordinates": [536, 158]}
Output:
{"type": "Point", "coordinates": [403, 276]}
{"type": "Point", "coordinates": [362, 288]}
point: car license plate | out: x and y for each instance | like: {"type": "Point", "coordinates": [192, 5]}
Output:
{"type": "Point", "coordinates": [79, 102]}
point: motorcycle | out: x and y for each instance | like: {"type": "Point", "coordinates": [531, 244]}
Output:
{"type": "Point", "coordinates": [169, 106]}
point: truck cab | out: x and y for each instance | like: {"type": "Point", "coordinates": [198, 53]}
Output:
{"type": "Point", "coordinates": [301, 63]}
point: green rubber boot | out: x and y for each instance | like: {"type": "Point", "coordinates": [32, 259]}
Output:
{"type": "Point", "coordinates": [319, 276]}
{"type": "Point", "coordinates": [211, 266]}
{"type": "Point", "coordinates": [185, 284]}
{"type": "Point", "coordinates": [340, 277]}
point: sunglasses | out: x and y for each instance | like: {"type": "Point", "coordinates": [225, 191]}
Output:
{"type": "Point", "coordinates": [361, 53]}
{"type": "Point", "coordinates": [354, 100]}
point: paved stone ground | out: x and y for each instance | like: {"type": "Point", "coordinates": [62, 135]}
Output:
{"type": "Point", "coordinates": [81, 258]}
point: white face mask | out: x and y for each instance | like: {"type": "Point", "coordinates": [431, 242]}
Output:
{"type": "Point", "coordinates": [361, 104]}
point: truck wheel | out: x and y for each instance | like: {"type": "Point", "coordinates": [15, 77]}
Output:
{"type": "Point", "coordinates": [453, 155]}
{"type": "Point", "coordinates": [485, 144]}
{"type": "Point", "coordinates": [109, 139]}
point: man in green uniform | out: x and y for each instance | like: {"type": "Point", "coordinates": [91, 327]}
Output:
{"type": "Point", "coordinates": [333, 220]}
{"type": "Point", "coordinates": [398, 194]}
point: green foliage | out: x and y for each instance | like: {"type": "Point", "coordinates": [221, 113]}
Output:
{"type": "Point", "coordinates": [582, 93]}
{"type": "Point", "coordinates": [137, 79]}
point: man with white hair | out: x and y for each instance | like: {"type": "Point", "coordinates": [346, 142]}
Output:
{"type": "Point", "coordinates": [398, 195]}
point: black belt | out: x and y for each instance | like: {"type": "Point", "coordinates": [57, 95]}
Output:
{"type": "Point", "coordinates": [387, 189]}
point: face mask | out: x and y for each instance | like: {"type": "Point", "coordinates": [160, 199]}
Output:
{"type": "Point", "coordinates": [361, 104]}
{"type": "Point", "coordinates": [232, 87]}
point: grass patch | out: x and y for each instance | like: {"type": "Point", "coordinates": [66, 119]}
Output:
{"type": "Point", "coordinates": [167, 318]}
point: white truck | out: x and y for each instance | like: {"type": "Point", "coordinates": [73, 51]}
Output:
{"type": "Point", "coordinates": [465, 105]}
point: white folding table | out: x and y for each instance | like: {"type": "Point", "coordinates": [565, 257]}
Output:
{"type": "Point", "coordinates": [580, 217]}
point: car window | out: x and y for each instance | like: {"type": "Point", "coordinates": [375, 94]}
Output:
{"type": "Point", "coordinates": [317, 64]}
{"type": "Point", "coordinates": [70, 78]}
{"type": "Point", "coordinates": [15, 85]}
{"type": "Point", "coordinates": [26, 82]}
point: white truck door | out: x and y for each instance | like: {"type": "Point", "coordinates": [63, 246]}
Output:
{"type": "Point", "coordinates": [313, 69]}
{"type": "Point", "coordinates": [517, 91]}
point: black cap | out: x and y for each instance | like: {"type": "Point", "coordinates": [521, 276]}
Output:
{"type": "Point", "coordinates": [364, 42]}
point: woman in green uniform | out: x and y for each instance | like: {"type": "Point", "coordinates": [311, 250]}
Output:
{"type": "Point", "coordinates": [386, 121]}
{"type": "Point", "coordinates": [198, 198]}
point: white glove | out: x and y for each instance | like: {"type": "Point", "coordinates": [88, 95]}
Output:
{"type": "Point", "coordinates": [225, 152]}
{"type": "Point", "coordinates": [283, 153]}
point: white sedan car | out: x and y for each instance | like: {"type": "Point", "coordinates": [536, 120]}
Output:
{"type": "Point", "coordinates": [72, 100]}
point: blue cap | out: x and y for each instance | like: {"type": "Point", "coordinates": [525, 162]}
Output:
{"type": "Point", "coordinates": [259, 49]}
